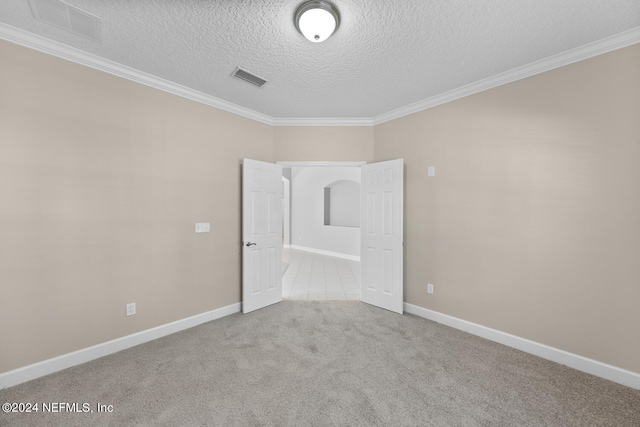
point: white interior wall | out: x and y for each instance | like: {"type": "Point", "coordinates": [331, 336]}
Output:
{"type": "Point", "coordinates": [345, 204]}
{"type": "Point", "coordinates": [307, 211]}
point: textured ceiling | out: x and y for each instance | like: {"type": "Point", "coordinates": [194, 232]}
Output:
{"type": "Point", "coordinates": [385, 55]}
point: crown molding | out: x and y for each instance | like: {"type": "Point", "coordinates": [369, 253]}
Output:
{"type": "Point", "coordinates": [326, 121]}
{"type": "Point", "coordinates": [581, 53]}
{"type": "Point", "coordinates": [42, 44]}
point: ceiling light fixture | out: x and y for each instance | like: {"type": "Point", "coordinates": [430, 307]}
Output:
{"type": "Point", "coordinates": [317, 20]}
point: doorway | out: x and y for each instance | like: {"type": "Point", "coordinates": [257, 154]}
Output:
{"type": "Point", "coordinates": [321, 258]}
{"type": "Point", "coordinates": [381, 234]}
{"type": "Point", "coordinates": [324, 207]}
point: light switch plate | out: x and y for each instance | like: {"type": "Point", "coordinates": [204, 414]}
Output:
{"type": "Point", "coordinates": [431, 171]}
{"type": "Point", "coordinates": [202, 227]}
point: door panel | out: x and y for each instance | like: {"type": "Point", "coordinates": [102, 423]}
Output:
{"type": "Point", "coordinates": [261, 234]}
{"type": "Point", "coordinates": [381, 251]}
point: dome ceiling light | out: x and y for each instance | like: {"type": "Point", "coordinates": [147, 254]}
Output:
{"type": "Point", "coordinates": [317, 20]}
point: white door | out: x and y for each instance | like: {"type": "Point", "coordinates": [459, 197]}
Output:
{"type": "Point", "coordinates": [381, 218]}
{"type": "Point", "coordinates": [261, 234]}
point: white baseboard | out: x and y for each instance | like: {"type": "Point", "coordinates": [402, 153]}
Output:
{"type": "Point", "coordinates": [580, 363]}
{"type": "Point", "coordinates": [323, 252]}
{"type": "Point", "coordinates": [46, 367]}
{"type": "Point", "coordinates": [286, 245]}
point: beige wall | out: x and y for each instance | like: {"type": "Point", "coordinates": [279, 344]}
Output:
{"type": "Point", "coordinates": [101, 182]}
{"type": "Point", "coordinates": [343, 143]}
{"type": "Point", "coordinates": [532, 223]}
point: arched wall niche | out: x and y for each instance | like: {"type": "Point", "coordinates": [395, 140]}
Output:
{"type": "Point", "coordinates": [342, 204]}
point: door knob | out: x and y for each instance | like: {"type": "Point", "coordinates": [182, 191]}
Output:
{"type": "Point", "coordinates": [251, 244]}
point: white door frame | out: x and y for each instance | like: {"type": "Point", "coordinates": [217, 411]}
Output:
{"type": "Point", "coordinates": [319, 164]}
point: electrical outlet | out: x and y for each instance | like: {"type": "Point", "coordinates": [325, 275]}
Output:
{"type": "Point", "coordinates": [131, 309]}
{"type": "Point", "coordinates": [429, 288]}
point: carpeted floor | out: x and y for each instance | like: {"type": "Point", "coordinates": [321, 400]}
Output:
{"type": "Point", "coordinates": [300, 363]}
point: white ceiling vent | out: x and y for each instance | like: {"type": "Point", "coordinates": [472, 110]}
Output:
{"type": "Point", "coordinates": [248, 77]}
{"type": "Point", "coordinates": [68, 17]}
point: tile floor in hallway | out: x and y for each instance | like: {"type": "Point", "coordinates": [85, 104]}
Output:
{"type": "Point", "coordinates": [311, 276]}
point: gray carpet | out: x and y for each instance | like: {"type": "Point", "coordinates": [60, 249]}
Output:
{"type": "Point", "coordinates": [344, 363]}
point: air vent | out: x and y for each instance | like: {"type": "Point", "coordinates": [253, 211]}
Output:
{"type": "Point", "coordinates": [248, 77]}
{"type": "Point", "coordinates": [67, 17]}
